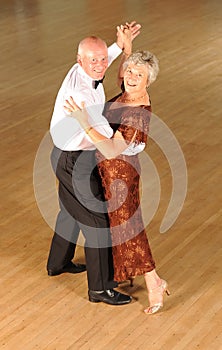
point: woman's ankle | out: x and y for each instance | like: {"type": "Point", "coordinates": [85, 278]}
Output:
{"type": "Point", "coordinates": [152, 280]}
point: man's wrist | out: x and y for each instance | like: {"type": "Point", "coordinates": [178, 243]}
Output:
{"type": "Point", "coordinates": [120, 46]}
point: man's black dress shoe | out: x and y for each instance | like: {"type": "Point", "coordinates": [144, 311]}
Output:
{"type": "Point", "coordinates": [71, 268]}
{"type": "Point", "coordinates": [109, 296]}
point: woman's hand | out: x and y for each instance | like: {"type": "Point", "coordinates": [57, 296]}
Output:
{"type": "Point", "coordinates": [134, 28]}
{"type": "Point", "coordinates": [78, 113]}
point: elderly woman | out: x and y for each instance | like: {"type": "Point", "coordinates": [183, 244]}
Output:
{"type": "Point", "coordinates": [129, 115]}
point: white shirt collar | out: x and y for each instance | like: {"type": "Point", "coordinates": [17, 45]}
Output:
{"type": "Point", "coordinates": [85, 75]}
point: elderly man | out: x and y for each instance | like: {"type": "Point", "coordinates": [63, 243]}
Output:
{"type": "Point", "coordinates": [73, 158]}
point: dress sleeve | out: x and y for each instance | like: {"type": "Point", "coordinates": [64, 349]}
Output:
{"type": "Point", "coordinates": [135, 120]}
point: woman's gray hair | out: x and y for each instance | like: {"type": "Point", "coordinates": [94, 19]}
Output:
{"type": "Point", "coordinates": [144, 58]}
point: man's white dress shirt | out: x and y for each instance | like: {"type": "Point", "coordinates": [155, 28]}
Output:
{"type": "Point", "coordinates": [66, 132]}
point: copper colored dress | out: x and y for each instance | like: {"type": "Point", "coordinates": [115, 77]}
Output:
{"type": "Point", "coordinates": [120, 179]}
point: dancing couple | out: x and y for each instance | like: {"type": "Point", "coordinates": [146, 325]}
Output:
{"type": "Point", "coordinates": [95, 158]}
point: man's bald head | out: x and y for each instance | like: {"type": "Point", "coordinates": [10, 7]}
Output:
{"type": "Point", "coordinates": [92, 43]}
{"type": "Point", "coordinates": [92, 56]}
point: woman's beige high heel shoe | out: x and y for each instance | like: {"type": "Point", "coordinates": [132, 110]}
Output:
{"type": "Point", "coordinates": [163, 288]}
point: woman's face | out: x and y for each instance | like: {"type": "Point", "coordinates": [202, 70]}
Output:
{"type": "Point", "coordinates": [135, 78]}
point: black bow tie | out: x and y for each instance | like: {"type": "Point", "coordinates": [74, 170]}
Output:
{"type": "Point", "coordinates": [96, 82]}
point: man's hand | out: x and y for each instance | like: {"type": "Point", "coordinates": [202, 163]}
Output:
{"type": "Point", "coordinates": [124, 39]}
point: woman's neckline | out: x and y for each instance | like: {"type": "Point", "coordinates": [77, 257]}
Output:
{"type": "Point", "coordinates": [117, 105]}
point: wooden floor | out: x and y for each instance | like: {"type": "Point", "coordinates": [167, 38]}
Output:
{"type": "Point", "coordinates": [37, 47]}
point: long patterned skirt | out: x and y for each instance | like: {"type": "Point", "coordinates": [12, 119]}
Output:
{"type": "Point", "coordinates": [131, 251]}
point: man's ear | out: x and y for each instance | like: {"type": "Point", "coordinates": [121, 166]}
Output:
{"type": "Point", "coordinates": [79, 60]}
